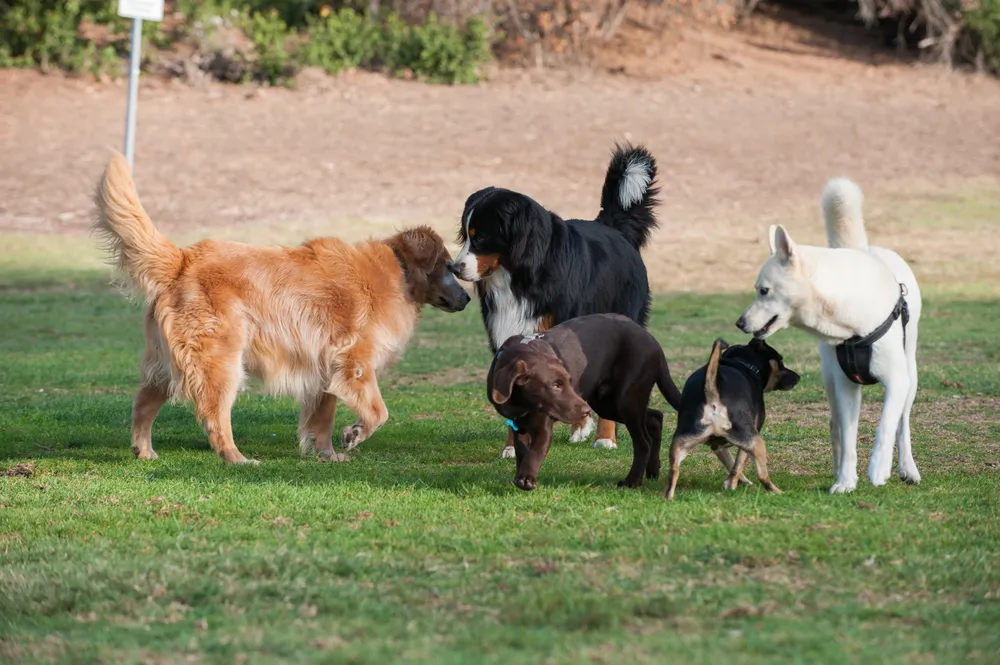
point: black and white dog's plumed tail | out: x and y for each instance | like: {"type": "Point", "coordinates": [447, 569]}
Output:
{"type": "Point", "coordinates": [629, 194]}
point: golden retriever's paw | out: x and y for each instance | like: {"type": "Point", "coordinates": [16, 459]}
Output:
{"type": "Point", "coordinates": [331, 456]}
{"type": "Point", "coordinates": [353, 435]}
{"type": "Point", "coordinates": [148, 455]}
{"type": "Point", "coordinates": [238, 458]}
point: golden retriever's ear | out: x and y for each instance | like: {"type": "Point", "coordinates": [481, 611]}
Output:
{"type": "Point", "coordinates": [421, 248]}
{"type": "Point", "coordinates": [505, 378]}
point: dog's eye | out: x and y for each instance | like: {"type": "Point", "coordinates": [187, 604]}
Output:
{"type": "Point", "coordinates": [557, 384]}
{"type": "Point", "coordinates": [763, 290]}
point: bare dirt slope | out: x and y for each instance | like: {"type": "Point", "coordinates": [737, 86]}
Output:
{"type": "Point", "coordinates": [746, 133]}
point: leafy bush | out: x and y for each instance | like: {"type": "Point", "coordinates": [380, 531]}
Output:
{"type": "Point", "coordinates": [47, 33]}
{"type": "Point", "coordinates": [284, 35]}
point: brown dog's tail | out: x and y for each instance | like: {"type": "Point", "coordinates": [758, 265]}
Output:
{"type": "Point", "coordinates": [133, 244]}
{"type": "Point", "coordinates": [712, 372]}
{"type": "Point", "coordinates": [667, 387]}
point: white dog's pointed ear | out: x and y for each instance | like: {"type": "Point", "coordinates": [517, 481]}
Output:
{"type": "Point", "coordinates": [770, 237]}
{"type": "Point", "coordinates": [782, 245]}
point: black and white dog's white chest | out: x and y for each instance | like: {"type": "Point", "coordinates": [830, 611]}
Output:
{"type": "Point", "coordinates": [505, 313]}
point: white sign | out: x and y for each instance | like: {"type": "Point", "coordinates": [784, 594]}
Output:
{"type": "Point", "coordinates": [147, 10]}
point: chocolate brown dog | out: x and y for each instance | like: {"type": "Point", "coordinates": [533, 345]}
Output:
{"type": "Point", "coordinates": [601, 362]}
{"type": "Point", "coordinates": [723, 405]}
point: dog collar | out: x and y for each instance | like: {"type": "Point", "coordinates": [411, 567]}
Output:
{"type": "Point", "coordinates": [752, 368]}
{"type": "Point", "coordinates": [855, 354]}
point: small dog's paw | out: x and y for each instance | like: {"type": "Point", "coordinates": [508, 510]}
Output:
{"type": "Point", "coordinates": [331, 456]}
{"type": "Point", "coordinates": [148, 455]}
{"type": "Point", "coordinates": [526, 484]}
{"type": "Point", "coordinates": [605, 443]}
{"type": "Point", "coordinates": [508, 453]}
{"type": "Point", "coordinates": [729, 484]}
{"type": "Point", "coordinates": [909, 476]}
{"type": "Point", "coordinates": [582, 434]}
{"type": "Point", "coordinates": [844, 486]}
{"type": "Point", "coordinates": [746, 482]}
{"type": "Point", "coordinates": [353, 435]}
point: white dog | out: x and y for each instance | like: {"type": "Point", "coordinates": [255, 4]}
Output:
{"type": "Point", "coordinates": [848, 292]}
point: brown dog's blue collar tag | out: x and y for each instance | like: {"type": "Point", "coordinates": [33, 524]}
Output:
{"type": "Point", "coordinates": [511, 424]}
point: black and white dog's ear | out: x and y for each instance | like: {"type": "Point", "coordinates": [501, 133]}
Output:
{"type": "Point", "coordinates": [477, 197]}
{"type": "Point", "coordinates": [527, 226]}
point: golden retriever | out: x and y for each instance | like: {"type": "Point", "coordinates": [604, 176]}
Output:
{"type": "Point", "coordinates": [317, 322]}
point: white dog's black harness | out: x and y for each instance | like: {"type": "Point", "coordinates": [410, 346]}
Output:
{"type": "Point", "coordinates": [855, 354]}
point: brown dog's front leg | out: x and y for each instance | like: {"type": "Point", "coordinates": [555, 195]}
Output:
{"type": "Point", "coordinates": [531, 445]}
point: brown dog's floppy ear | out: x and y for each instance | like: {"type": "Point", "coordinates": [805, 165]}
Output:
{"type": "Point", "coordinates": [505, 378]}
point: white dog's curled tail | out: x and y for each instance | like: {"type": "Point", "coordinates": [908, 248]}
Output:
{"type": "Point", "coordinates": [845, 223]}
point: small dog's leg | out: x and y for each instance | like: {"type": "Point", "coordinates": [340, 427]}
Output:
{"type": "Point", "coordinates": [580, 432]}
{"type": "Point", "coordinates": [727, 461]}
{"type": "Point", "coordinates": [897, 389]}
{"type": "Point", "coordinates": [760, 459]}
{"type": "Point", "coordinates": [508, 450]}
{"type": "Point", "coordinates": [736, 471]}
{"type": "Point", "coordinates": [908, 472]}
{"type": "Point", "coordinates": [845, 410]}
{"type": "Point", "coordinates": [680, 446]}
{"type": "Point", "coordinates": [607, 434]}
{"type": "Point", "coordinates": [148, 402]}
{"type": "Point", "coordinates": [316, 428]}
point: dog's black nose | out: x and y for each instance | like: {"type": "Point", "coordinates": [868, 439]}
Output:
{"type": "Point", "coordinates": [741, 323]}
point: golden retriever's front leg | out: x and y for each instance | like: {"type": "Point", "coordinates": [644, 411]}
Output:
{"type": "Point", "coordinates": [358, 388]}
{"type": "Point", "coordinates": [316, 428]}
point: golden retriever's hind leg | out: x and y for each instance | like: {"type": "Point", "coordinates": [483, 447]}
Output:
{"type": "Point", "coordinates": [358, 388]}
{"type": "Point", "coordinates": [316, 428]}
{"type": "Point", "coordinates": [148, 401]}
{"type": "Point", "coordinates": [216, 381]}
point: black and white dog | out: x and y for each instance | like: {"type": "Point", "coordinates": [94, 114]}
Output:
{"type": "Point", "coordinates": [533, 270]}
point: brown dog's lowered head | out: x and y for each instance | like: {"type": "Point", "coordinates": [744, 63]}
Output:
{"type": "Point", "coordinates": [541, 382]}
{"type": "Point", "coordinates": [426, 267]}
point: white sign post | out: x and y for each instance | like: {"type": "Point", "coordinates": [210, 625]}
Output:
{"type": "Point", "coordinates": [137, 10]}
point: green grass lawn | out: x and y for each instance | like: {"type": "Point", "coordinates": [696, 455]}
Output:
{"type": "Point", "coordinates": [420, 549]}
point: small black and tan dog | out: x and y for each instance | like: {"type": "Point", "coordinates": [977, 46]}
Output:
{"type": "Point", "coordinates": [722, 405]}
{"type": "Point", "coordinates": [601, 363]}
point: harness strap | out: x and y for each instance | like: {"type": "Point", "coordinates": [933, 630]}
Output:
{"type": "Point", "coordinates": [854, 355]}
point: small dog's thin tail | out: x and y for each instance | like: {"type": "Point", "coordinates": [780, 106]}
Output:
{"type": "Point", "coordinates": [845, 223]}
{"type": "Point", "coordinates": [667, 387]}
{"type": "Point", "coordinates": [712, 372]}
{"type": "Point", "coordinates": [134, 245]}
{"type": "Point", "coordinates": [629, 194]}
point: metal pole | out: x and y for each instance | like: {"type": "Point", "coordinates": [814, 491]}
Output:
{"type": "Point", "coordinates": [133, 89]}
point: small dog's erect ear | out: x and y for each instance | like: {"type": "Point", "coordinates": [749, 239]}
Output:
{"type": "Point", "coordinates": [505, 378]}
{"type": "Point", "coordinates": [782, 245]}
{"type": "Point", "coordinates": [770, 237]}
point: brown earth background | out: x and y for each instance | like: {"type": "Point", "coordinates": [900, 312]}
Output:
{"type": "Point", "coordinates": [746, 125]}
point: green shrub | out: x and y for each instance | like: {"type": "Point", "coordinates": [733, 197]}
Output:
{"type": "Point", "coordinates": [46, 33]}
{"type": "Point", "coordinates": [984, 24]}
{"type": "Point", "coordinates": [286, 35]}
{"type": "Point", "coordinates": [340, 41]}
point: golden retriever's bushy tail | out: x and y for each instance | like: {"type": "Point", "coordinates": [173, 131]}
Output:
{"type": "Point", "coordinates": [845, 224]}
{"type": "Point", "coordinates": [134, 245]}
